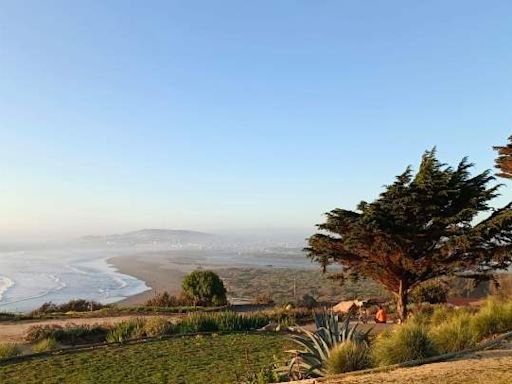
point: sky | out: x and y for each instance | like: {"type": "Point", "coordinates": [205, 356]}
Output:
{"type": "Point", "coordinates": [237, 115]}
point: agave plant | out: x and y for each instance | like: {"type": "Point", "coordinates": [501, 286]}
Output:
{"type": "Point", "coordinates": [315, 347]}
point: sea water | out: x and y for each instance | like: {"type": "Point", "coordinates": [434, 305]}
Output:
{"type": "Point", "coordinates": [29, 278]}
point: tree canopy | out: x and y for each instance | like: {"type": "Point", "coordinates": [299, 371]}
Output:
{"type": "Point", "coordinates": [205, 287]}
{"type": "Point", "coordinates": [504, 160]}
{"type": "Point", "coordinates": [420, 227]}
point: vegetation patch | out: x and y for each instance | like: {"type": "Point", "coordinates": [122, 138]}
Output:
{"type": "Point", "coordinates": [204, 359]}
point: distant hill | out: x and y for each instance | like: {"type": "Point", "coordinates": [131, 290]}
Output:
{"type": "Point", "coordinates": [178, 238]}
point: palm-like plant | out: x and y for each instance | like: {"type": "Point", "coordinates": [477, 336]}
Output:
{"type": "Point", "coordinates": [310, 360]}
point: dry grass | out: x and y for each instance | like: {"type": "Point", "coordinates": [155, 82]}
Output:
{"type": "Point", "coordinates": [484, 367]}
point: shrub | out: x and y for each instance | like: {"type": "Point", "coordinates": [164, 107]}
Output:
{"type": "Point", "coordinates": [44, 345]}
{"type": "Point", "coordinates": [205, 287]}
{"type": "Point", "coordinates": [455, 334]}
{"type": "Point", "coordinates": [495, 316]}
{"type": "Point", "coordinates": [433, 292]}
{"type": "Point", "coordinates": [126, 330]}
{"type": "Point", "coordinates": [9, 350]}
{"type": "Point", "coordinates": [157, 326]}
{"type": "Point", "coordinates": [348, 356]}
{"type": "Point", "coordinates": [166, 300]}
{"type": "Point", "coordinates": [78, 305]}
{"type": "Point", "coordinates": [410, 341]}
{"type": "Point", "coordinates": [8, 316]}
{"type": "Point", "coordinates": [70, 334]}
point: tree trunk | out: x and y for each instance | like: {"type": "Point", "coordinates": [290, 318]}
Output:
{"type": "Point", "coordinates": [401, 303]}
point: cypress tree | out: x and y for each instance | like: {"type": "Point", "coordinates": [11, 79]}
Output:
{"type": "Point", "coordinates": [504, 160]}
{"type": "Point", "coordinates": [421, 227]}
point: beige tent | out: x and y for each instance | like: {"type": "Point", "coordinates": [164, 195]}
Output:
{"type": "Point", "coordinates": [347, 305]}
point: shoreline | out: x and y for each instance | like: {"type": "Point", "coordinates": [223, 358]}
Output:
{"type": "Point", "coordinates": [159, 274]}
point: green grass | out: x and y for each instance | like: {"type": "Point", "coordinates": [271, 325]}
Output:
{"type": "Point", "coordinates": [199, 359]}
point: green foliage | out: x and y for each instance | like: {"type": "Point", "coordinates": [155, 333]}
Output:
{"type": "Point", "coordinates": [78, 305]}
{"type": "Point", "coordinates": [69, 335]}
{"type": "Point", "coordinates": [126, 330]}
{"type": "Point", "coordinates": [454, 334]}
{"type": "Point", "coordinates": [8, 350]}
{"type": "Point", "coordinates": [347, 357]}
{"type": "Point", "coordinates": [207, 359]}
{"type": "Point", "coordinates": [157, 326]}
{"type": "Point", "coordinates": [421, 227]}
{"type": "Point", "coordinates": [433, 292]}
{"type": "Point", "coordinates": [221, 321]}
{"type": "Point", "coordinates": [441, 314]}
{"type": "Point", "coordinates": [44, 345]}
{"type": "Point", "coordinates": [205, 287]}
{"type": "Point", "coordinates": [494, 317]}
{"type": "Point", "coordinates": [316, 347]}
{"type": "Point", "coordinates": [410, 341]}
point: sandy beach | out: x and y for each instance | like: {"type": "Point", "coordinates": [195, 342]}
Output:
{"type": "Point", "coordinates": [158, 272]}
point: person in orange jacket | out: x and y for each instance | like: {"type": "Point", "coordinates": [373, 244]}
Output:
{"type": "Point", "coordinates": [381, 316]}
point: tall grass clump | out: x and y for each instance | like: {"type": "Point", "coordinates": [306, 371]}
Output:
{"type": "Point", "coordinates": [441, 314]}
{"type": "Point", "coordinates": [157, 326]}
{"type": "Point", "coordinates": [9, 350]}
{"type": "Point", "coordinates": [44, 345]}
{"type": "Point", "coordinates": [494, 317]}
{"type": "Point", "coordinates": [221, 321]}
{"type": "Point", "coordinates": [348, 356]}
{"type": "Point", "coordinates": [71, 334]}
{"type": "Point", "coordinates": [126, 330]}
{"type": "Point", "coordinates": [455, 334]}
{"type": "Point", "coordinates": [410, 341]}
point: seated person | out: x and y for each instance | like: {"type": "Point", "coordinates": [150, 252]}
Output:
{"type": "Point", "coordinates": [381, 316]}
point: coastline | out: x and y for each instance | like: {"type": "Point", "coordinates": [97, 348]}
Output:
{"type": "Point", "coordinates": [157, 272]}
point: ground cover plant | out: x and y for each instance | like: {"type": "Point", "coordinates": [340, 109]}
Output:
{"type": "Point", "coordinates": [204, 359]}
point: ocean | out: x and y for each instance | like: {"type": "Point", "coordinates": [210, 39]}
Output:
{"type": "Point", "coordinates": [29, 278]}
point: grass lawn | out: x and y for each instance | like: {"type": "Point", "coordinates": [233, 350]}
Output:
{"type": "Point", "coordinates": [200, 359]}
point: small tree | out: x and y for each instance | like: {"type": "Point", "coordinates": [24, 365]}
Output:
{"type": "Point", "coordinates": [421, 227]}
{"type": "Point", "coordinates": [504, 159]}
{"type": "Point", "coordinates": [205, 287]}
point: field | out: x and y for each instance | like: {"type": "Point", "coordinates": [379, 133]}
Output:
{"type": "Point", "coordinates": [279, 283]}
{"type": "Point", "coordinates": [200, 359]}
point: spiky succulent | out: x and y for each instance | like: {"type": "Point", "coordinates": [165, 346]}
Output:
{"type": "Point", "coordinates": [315, 347]}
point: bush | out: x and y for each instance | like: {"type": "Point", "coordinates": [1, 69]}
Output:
{"type": "Point", "coordinates": [44, 345]}
{"type": "Point", "coordinates": [71, 334]}
{"type": "Point", "coordinates": [78, 305]}
{"type": "Point", "coordinates": [495, 316]}
{"type": "Point", "coordinates": [410, 341]}
{"type": "Point", "coordinates": [433, 292]}
{"type": "Point", "coordinates": [455, 334]}
{"type": "Point", "coordinates": [205, 288]}
{"type": "Point", "coordinates": [157, 326]}
{"type": "Point", "coordinates": [9, 350]}
{"type": "Point", "coordinates": [166, 300]}
{"type": "Point", "coordinates": [126, 330]}
{"type": "Point", "coordinates": [348, 356]}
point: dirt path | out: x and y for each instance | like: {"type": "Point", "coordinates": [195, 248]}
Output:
{"type": "Point", "coordinates": [15, 331]}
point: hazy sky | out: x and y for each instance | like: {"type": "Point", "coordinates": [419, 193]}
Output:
{"type": "Point", "coordinates": [213, 115]}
